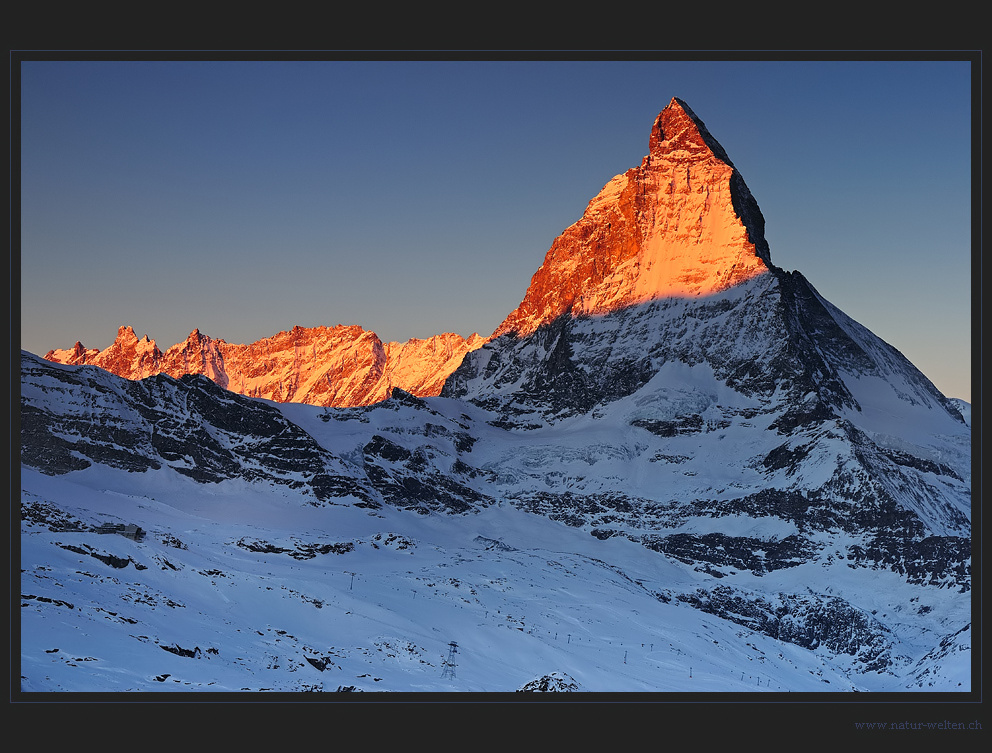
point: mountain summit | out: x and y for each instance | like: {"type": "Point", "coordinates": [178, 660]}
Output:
{"type": "Point", "coordinates": [669, 265]}
{"type": "Point", "coordinates": [683, 224]}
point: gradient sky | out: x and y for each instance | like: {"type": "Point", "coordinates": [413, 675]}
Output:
{"type": "Point", "coordinates": [418, 197]}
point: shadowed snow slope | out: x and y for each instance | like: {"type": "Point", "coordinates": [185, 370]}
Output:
{"type": "Point", "coordinates": [318, 549]}
{"type": "Point", "coordinates": [674, 468]}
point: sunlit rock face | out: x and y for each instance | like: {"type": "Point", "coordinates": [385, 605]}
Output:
{"type": "Point", "coordinates": [683, 224]}
{"type": "Point", "coordinates": [127, 356]}
{"type": "Point", "coordinates": [341, 366]}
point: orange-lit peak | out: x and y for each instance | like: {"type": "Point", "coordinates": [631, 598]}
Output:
{"type": "Point", "coordinates": [682, 224]}
{"type": "Point", "coordinates": [675, 130]}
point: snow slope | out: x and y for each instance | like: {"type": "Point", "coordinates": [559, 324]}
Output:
{"type": "Point", "coordinates": [194, 608]}
{"type": "Point", "coordinates": [569, 554]}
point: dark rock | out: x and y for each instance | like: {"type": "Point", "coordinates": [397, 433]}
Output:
{"type": "Point", "coordinates": [556, 682]}
{"type": "Point", "coordinates": [189, 653]}
{"type": "Point", "coordinates": [810, 621]}
{"type": "Point", "coordinates": [741, 553]}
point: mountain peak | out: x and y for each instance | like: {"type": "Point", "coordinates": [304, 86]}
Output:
{"type": "Point", "coordinates": [678, 129]}
{"type": "Point", "coordinates": [682, 224]}
{"type": "Point", "coordinates": [125, 333]}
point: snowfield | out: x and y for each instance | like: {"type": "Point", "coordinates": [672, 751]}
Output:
{"type": "Point", "coordinates": [251, 587]}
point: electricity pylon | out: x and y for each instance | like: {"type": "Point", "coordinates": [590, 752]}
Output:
{"type": "Point", "coordinates": [449, 663]}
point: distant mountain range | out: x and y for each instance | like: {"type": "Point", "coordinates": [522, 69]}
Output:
{"type": "Point", "coordinates": [331, 366]}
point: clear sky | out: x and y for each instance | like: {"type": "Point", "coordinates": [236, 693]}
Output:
{"type": "Point", "coordinates": [418, 197]}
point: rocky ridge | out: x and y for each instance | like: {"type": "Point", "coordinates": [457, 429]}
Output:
{"type": "Point", "coordinates": [327, 366]}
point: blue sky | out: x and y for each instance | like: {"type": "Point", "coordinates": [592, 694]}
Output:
{"type": "Point", "coordinates": [418, 197]}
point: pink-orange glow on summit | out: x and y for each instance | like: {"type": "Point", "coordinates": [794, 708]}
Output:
{"type": "Point", "coordinates": [666, 228]}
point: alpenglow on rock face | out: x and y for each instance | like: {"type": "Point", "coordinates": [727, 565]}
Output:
{"type": "Point", "coordinates": [683, 224]}
{"type": "Point", "coordinates": [336, 367]}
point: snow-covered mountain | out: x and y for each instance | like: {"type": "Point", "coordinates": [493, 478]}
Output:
{"type": "Point", "coordinates": [289, 547]}
{"type": "Point", "coordinates": [674, 467]}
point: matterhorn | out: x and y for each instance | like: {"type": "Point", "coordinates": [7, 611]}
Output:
{"type": "Point", "coordinates": [683, 224]}
{"type": "Point", "coordinates": [674, 467]}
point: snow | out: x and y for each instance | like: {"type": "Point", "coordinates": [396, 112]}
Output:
{"type": "Point", "coordinates": [247, 587]}
{"type": "Point", "coordinates": [555, 602]}
{"type": "Point", "coordinates": [380, 616]}
{"type": "Point", "coordinates": [964, 408]}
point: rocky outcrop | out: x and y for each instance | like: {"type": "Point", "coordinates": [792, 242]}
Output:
{"type": "Point", "coordinates": [556, 682]}
{"type": "Point", "coordinates": [809, 620]}
{"type": "Point", "coordinates": [127, 356]}
{"type": "Point", "coordinates": [210, 435]}
{"type": "Point", "coordinates": [190, 425]}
